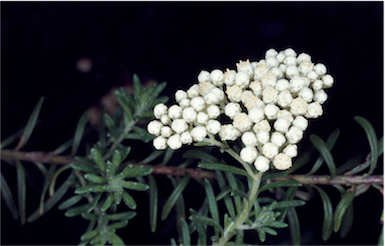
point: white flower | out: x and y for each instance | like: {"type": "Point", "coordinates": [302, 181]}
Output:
{"type": "Point", "coordinates": [154, 127]}
{"type": "Point", "coordinates": [269, 150]}
{"type": "Point", "coordinates": [269, 80]}
{"type": "Point", "coordinates": [272, 62]}
{"type": "Point", "coordinates": [242, 79]}
{"type": "Point", "coordinates": [262, 164]}
{"type": "Point", "coordinates": [328, 80]}
{"type": "Point", "coordinates": [260, 71]}
{"type": "Point", "coordinates": [229, 132]}
{"type": "Point", "coordinates": [303, 57]}
{"type": "Point", "coordinates": [263, 136]}
{"type": "Point", "coordinates": [159, 110]}
{"type": "Point", "coordinates": [291, 150]}
{"type": "Point", "coordinates": [317, 85]}
{"type": "Point", "coordinates": [204, 76]}
{"type": "Point", "coordinates": [314, 110]}
{"type": "Point", "coordinates": [280, 57]}
{"type": "Point", "coordinates": [213, 126]}
{"type": "Point", "coordinates": [175, 112]}
{"type": "Point", "coordinates": [249, 154]}
{"type": "Point", "coordinates": [271, 111]}
{"type": "Point", "coordinates": [282, 67]}
{"type": "Point", "coordinates": [284, 98]}
{"type": "Point", "coordinates": [271, 53]}
{"type": "Point", "coordinates": [296, 84]}
{"type": "Point", "coordinates": [202, 118]}
{"type": "Point", "coordinates": [242, 122]}
{"type": "Point", "coordinates": [282, 124]}
{"type": "Point", "coordinates": [205, 87]}
{"type": "Point", "coordinates": [165, 119]}
{"type": "Point", "coordinates": [229, 77]}
{"type": "Point", "coordinates": [186, 138]}
{"type": "Point", "coordinates": [179, 126]}
{"type": "Point", "coordinates": [320, 69]}
{"type": "Point", "coordinates": [217, 77]}
{"type": "Point", "coordinates": [305, 67]}
{"type": "Point", "coordinates": [269, 95]}
{"type": "Point", "coordinates": [282, 84]}
{"type": "Point", "coordinates": [298, 106]}
{"type": "Point", "coordinates": [198, 103]}
{"type": "Point", "coordinates": [276, 72]}
{"type": "Point", "coordinates": [249, 139]}
{"type": "Point", "coordinates": [291, 71]}
{"type": "Point", "coordinates": [312, 76]}
{"type": "Point", "coordinates": [320, 96]}
{"type": "Point", "coordinates": [179, 95]}
{"type": "Point", "coordinates": [184, 103]}
{"type": "Point", "coordinates": [193, 91]}
{"type": "Point", "coordinates": [213, 111]}
{"type": "Point", "coordinates": [250, 100]}
{"type": "Point", "coordinates": [306, 93]}
{"type": "Point", "coordinates": [290, 61]}
{"type": "Point", "coordinates": [198, 133]}
{"type": "Point", "coordinates": [174, 142]}
{"type": "Point", "coordinates": [300, 122]}
{"type": "Point", "coordinates": [262, 126]}
{"type": "Point", "coordinates": [245, 67]}
{"type": "Point", "coordinates": [256, 114]}
{"type": "Point", "coordinates": [294, 134]}
{"type": "Point", "coordinates": [160, 143]}
{"type": "Point", "coordinates": [232, 109]}
{"type": "Point", "coordinates": [215, 96]}
{"type": "Point", "coordinates": [166, 131]}
{"type": "Point", "coordinates": [286, 114]}
{"type": "Point", "coordinates": [234, 93]}
{"type": "Point", "coordinates": [282, 162]}
{"type": "Point", "coordinates": [290, 52]}
{"type": "Point", "coordinates": [278, 139]}
{"type": "Point", "coordinates": [189, 114]}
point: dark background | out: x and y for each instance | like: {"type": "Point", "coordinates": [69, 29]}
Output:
{"type": "Point", "coordinates": [168, 41]}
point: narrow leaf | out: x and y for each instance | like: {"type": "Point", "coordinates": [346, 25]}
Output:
{"type": "Point", "coordinates": [228, 201]}
{"type": "Point", "coordinates": [95, 178]}
{"type": "Point", "coordinates": [137, 85]}
{"type": "Point", "coordinates": [70, 202]}
{"type": "Point", "coordinates": [283, 183]}
{"type": "Point", "coordinates": [6, 194]}
{"type": "Point", "coordinates": [114, 239]}
{"type": "Point", "coordinates": [200, 154]}
{"type": "Point", "coordinates": [77, 210]}
{"type": "Point", "coordinates": [98, 159]}
{"type": "Point", "coordinates": [152, 156]}
{"type": "Point", "coordinates": [234, 186]}
{"type": "Point", "coordinates": [21, 190]}
{"type": "Point", "coordinates": [167, 156]}
{"type": "Point", "coordinates": [124, 105]}
{"type": "Point", "coordinates": [341, 209]}
{"type": "Point", "coordinates": [347, 221]}
{"type": "Point", "coordinates": [94, 202]}
{"type": "Point", "coordinates": [328, 214]}
{"type": "Point", "coordinates": [128, 200]}
{"type": "Point", "coordinates": [118, 225]}
{"type": "Point", "coordinates": [295, 231]}
{"type": "Point", "coordinates": [79, 132]}
{"type": "Point", "coordinates": [122, 216]}
{"type": "Point", "coordinates": [206, 220]}
{"type": "Point", "coordinates": [12, 138]}
{"type": "Point", "coordinates": [89, 235]}
{"type": "Point", "coordinates": [185, 232]}
{"type": "Point", "coordinates": [223, 167]}
{"type": "Point", "coordinates": [174, 196]}
{"type": "Point", "coordinates": [325, 153]}
{"type": "Point", "coordinates": [289, 204]}
{"type": "Point", "coordinates": [102, 129]}
{"type": "Point", "coordinates": [153, 202]}
{"type": "Point", "coordinates": [107, 203]}
{"type": "Point", "coordinates": [130, 171]}
{"type": "Point", "coordinates": [135, 185]}
{"type": "Point", "coordinates": [213, 207]}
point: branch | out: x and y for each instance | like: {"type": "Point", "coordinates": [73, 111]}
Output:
{"type": "Point", "coordinates": [337, 180]}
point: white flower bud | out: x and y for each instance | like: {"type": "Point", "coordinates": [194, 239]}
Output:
{"type": "Point", "coordinates": [271, 111]}
{"type": "Point", "coordinates": [166, 131]}
{"type": "Point", "coordinates": [165, 119]}
{"type": "Point", "coordinates": [290, 61]}
{"type": "Point", "coordinates": [217, 77]}
{"type": "Point", "coordinates": [280, 57]}
{"type": "Point", "coordinates": [277, 73]}
{"type": "Point", "coordinates": [294, 135]}
{"type": "Point", "coordinates": [260, 70]}
{"type": "Point", "coordinates": [205, 87]}
{"type": "Point", "coordinates": [202, 118]}
{"type": "Point", "coordinates": [262, 164]}
{"type": "Point", "coordinates": [312, 76]}
{"type": "Point", "coordinates": [263, 137]}
{"type": "Point", "coordinates": [189, 114]}
{"type": "Point", "coordinates": [290, 52]}
{"type": "Point", "coordinates": [282, 162]}
{"type": "Point", "coordinates": [306, 93]}
{"type": "Point", "coordinates": [174, 142]}
{"type": "Point", "coordinates": [305, 67]}
{"type": "Point", "coordinates": [286, 114]}
{"type": "Point", "coordinates": [284, 98]}
{"type": "Point", "coordinates": [269, 95]}
{"type": "Point", "coordinates": [242, 79]}
{"type": "Point", "coordinates": [229, 77]}
{"type": "Point", "coordinates": [229, 132]}
{"type": "Point", "coordinates": [234, 93]}
{"type": "Point", "coordinates": [296, 84]}
{"type": "Point", "coordinates": [213, 111]}
{"type": "Point", "coordinates": [175, 112]}
{"type": "Point", "coordinates": [249, 139]}
{"type": "Point", "coordinates": [271, 53]}
{"type": "Point", "coordinates": [269, 80]}
{"type": "Point", "coordinates": [179, 126]}
{"type": "Point", "coordinates": [291, 71]}
{"type": "Point", "coordinates": [300, 122]}
{"type": "Point", "coordinates": [314, 110]}
{"type": "Point", "coordinates": [272, 62]}
{"type": "Point", "coordinates": [204, 76]}
{"type": "Point", "coordinates": [249, 154]}
{"type": "Point", "coordinates": [193, 91]}
{"type": "Point", "coordinates": [232, 109]}
{"type": "Point", "coordinates": [245, 67]}
{"type": "Point", "coordinates": [282, 67]}
{"type": "Point", "coordinates": [198, 103]}
{"type": "Point", "coordinates": [291, 150]}
{"type": "Point", "coordinates": [278, 139]}
{"type": "Point", "coordinates": [262, 126]}
{"type": "Point", "coordinates": [320, 69]}
{"type": "Point", "coordinates": [160, 143]}
{"type": "Point", "coordinates": [215, 96]}
{"type": "Point", "coordinates": [242, 122]}
{"type": "Point", "coordinates": [250, 100]}
{"type": "Point", "coordinates": [303, 57]}
{"type": "Point", "coordinates": [186, 138]}
{"type": "Point", "coordinates": [184, 103]}
{"type": "Point", "coordinates": [320, 96]}
{"type": "Point", "coordinates": [298, 106]}
{"type": "Point", "coordinates": [179, 95]}
{"type": "Point", "coordinates": [198, 133]}
{"type": "Point", "coordinates": [282, 85]}
{"type": "Point", "coordinates": [328, 80]}
{"type": "Point", "coordinates": [269, 150]}
{"type": "Point", "coordinates": [256, 114]}
{"type": "Point", "coordinates": [282, 124]}
{"type": "Point", "coordinates": [159, 110]}
{"type": "Point", "coordinates": [213, 126]}
{"type": "Point", "coordinates": [154, 127]}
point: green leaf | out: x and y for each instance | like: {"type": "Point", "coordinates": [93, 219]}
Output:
{"type": "Point", "coordinates": [269, 231]}
{"type": "Point", "coordinates": [90, 216]}
{"type": "Point", "coordinates": [79, 132]}
{"type": "Point", "coordinates": [261, 234]}
{"type": "Point", "coordinates": [341, 208]}
{"type": "Point", "coordinates": [239, 237]}
{"type": "Point", "coordinates": [207, 221]}
{"type": "Point", "coordinates": [347, 221]}
{"type": "Point", "coordinates": [6, 194]}
{"type": "Point", "coordinates": [94, 202]}
{"type": "Point", "coordinates": [70, 202]}
{"type": "Point", "coordinates": [185, 232]}
{"type": "Point", "coordinates": [223, 167]}
{"type": "Point", "coordinates": [283, 183]}
{"type": "Point", "coordinates": [295, 231]}
{"type": "Point", "coordinates": [152, 156]}
{"type": "Point", "coordinates": [94, 188]}
{"type": "Point", "coordinates": [234, 186]}
{"type": "Point", "coordinates": [118, 225]}
{"type": "Point", "coordinates": [277, 224]}
{"type": "Point", "coordinates": [102, 130]}
{"type": "Point", "coordinates": [153, 202]}
{"type": "Point", "coordinates": [289, 204]}
{"type": "Point", "coordinates": [130, 171]}
{"type": "Point", "coordinates": [200, 154]}
{"type": "Point", "coordinates": [201, 228]}
{"type": "Point", "coordinates": [135, 185]}
{"type": "Point", "coordinates": [77, 210]}
{"type": "Point", "coordinates": [213, 206]}
{"type": "Point", "coordinates": [95, 178]}
{"type": "Point", "coordinates": [11, 138]}
{"type": "Point", "coordinates": [128, 200]}
{"type": "Point", "coordinates": [21, 190]}
{"type": "Point", "coordinates": [115, 239]}
{"type": "Point", "coordinates": [30, 124]}
{"type": "Point", "coordinates": [116, 159]}
{"type": "Point", "coordinates": [98, 159]}
{"type": "Point", "coordinates": [107, 203]}
{"type": "Point", "coordinates": [167, 156]}
{"type": "Point", "coordinates": [350, 164]}
{"type": "Point", "coordinates": [89, 235]}
{"type": "Point", "coordinates": [124, 105]}
{"type": "Point", "coordinates": [239, 193]}
{"type": "Point", "coordinates": [228, 201]}
{"type": "Point", "coordinates": [328, 214]}
{"type": "Point", "coordinates": [141, 134]}
{"type": "Point", "coordinates": [111, 126]}
{"type": "Point", "coordinates": [124, 152]}
{"type": "Point", "coordinates": [137, 85]}
{"type": "Point", "coordinates": [122, 216]}
{"type": "Point", "coordinates": [325, 153]}
{"type": "Point", "coordinates": [174, 196]}
{"type": "Point", "coordinates": [372, 138]}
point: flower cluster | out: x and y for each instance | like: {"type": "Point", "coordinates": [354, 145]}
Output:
{"type": "Point", "coordinates": [267, 104]}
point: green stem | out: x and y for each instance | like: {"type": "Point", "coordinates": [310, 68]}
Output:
{"type": "Point", "coordinates": [126, 130]}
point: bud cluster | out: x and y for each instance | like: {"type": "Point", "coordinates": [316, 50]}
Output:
{"type": "Point", "coordinates": [267, 102]}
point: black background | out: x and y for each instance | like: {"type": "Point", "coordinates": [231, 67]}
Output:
{"type": "Point", "coordinates": [171, 41]}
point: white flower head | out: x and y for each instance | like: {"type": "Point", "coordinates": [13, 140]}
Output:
{"type": "Point", "coordinates": [312, 76]}
{"type": "Point", "coordinates": [271, 111]}
{"type": "Point", "coordinates": [328, 80]}
{"type": "Point", "coordinates": [249, 139]}
{"type": "Point", "coordinates": [184, 103]}
{"type": "Point", "coordinates": [291, 150]}
{"type": "Point", "coordinates": [189, 114]}
{"type": "Point", "coordinates": [249, 154]}
{"type": "Point", "coordinates": [199, 133]}
{"type": "Point", "coordinates": [234, 93]}
{"type": "Point", "coordinates": [300, 122]}
{"type": "Point", "coordinates": [263, 125]}
{"type": "Point", "coordinates": [320, 69]}
{"type": "Point", "coordinates": [175, 112]}
{"type": "Point", "coordinates": [262, 164]}
{"type": "Point", "coordinates": [204, 76]}
{"type": "Point", "coordinates": [242, 122]}
{"type": "Point", "coordinates": [213, 111]}
{"type": "Point", "coordinates": [166, 131]}
{"type": "Point", "coordinates": [179, 125]}
{"type": "Point", "coordinates": [306, 93]}
{"type": "Point", "coordinates": [245, 67]}
{"type": "Point", "coordinates": [290, 61]}
{"type": "Point", "coordinates": [186, 138]}
{"type": "Point", "coordinates": [213, 126]}
{"type": "Point", "coordinates": [269, 80]}
{"type": "Point", "coordinates": [317, 85]}
{"type": "Point", "coordinates": [285, 98]}
{"type": "Point", "coordinates": [174, 142]}
{"type": "Point", "coordinates": [215, 96]}
{"type": "Point", "coordinates": [159, 110]}
{"type": "Point", "coordinates": [271, 53]}
{"type": "Point", "coordinates": [198, 103]}
{"type": "Point", "coordinates": [165, 119]}
{"type": "Point", "coordinates": [291, 71]}
{"type": "Point", "coordinates": [303, 57]}
{"type": "Point", "coordinates": [217, 77]}
{"type": "Point", "coordinates": [160, 143]}
{"type": "Point", "coordinates": [296, 84]}
{"type": "Point", "coordinates": [179, 95]}
{"type": "Point", "coordinates": [232, 109]}
{"type": "Point", "coordinates": [282, 85]}
{"type": "Point", "coordinates": [269, 95]}
{"type": "Point", "coordinates": [314, 110]}
{"type": "Point", "coordinates": [229, 132]}
{"type": "Point", "coordinates": [286, 114]}
{"type": "Point", "coordinates": [205, 87]}
{"type": "Point", "coordinates": [229, 77]}
{"type": "Point", "coordinates": [290, 52]}
{"type": "Point", "coordinates": [278, 139]}
{"type": "Point", "coordinates": [202, 118]}
{"type": "Point", "coordinates": [260, 70]}
{"type": "Point", "coordinates": [320, 96]}
{"type": "Point", "coordinates": [263, 137]}
{"type": "Point", "coordinates": [154, 127]}
{"type": "Point", "coordinates": [294, 134]}
{"type": "Point", "coordinates": [269, 150]}
{"type": "Point", "coordinates": [272, 62]}
{"type": "Point", "coordinates": [298, 106]}
{"type": "Point", "coordinates": [282, 124]}
{"type": "Point", "coordinates": [193, 91]}
{"type": "Point", "coordinates": [281, 56]}
{"type": "Point", "coordinates": [256, 114]}
{"type": "Point", "coordinates": [305, 67]}
{"type": "Point", "coordinates": [282, 162]}
{"type": "Point", "coordinates": [242, 79]}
